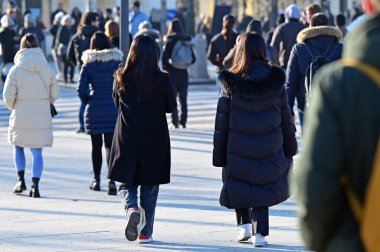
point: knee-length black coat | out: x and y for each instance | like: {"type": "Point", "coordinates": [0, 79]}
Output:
{"type": "Point", "coordinates": [254, 138]}
{"type": "Point", "coordinates": [140, 152]}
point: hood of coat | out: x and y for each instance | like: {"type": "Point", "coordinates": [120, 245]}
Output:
{"type": "Point", "coordinates": [31, 59]}
{"type": "Point", "coordinates": [312, 32]}
{"type": "Point", "coordinates": [363, 42]}
{"type": "Point", "coordinates": [245, 86]}
{"type": "Point", "coordinates": [106, 55]}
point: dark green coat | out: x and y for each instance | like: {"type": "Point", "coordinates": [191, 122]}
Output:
{"type": "Point", "coordinates": [342, 126]}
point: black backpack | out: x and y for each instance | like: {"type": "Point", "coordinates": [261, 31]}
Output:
{"type": "Point", "coordinates": [317, 61]}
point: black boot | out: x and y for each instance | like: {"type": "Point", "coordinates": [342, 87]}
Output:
{"type": "Point", "coordinates": [20, 185]}
{"type": "Point", "coordinates": [95, 185]}
{"type": "Point", "coordinates": [112, 190]}
{"type": "Point", "coordinates": [34, 192]}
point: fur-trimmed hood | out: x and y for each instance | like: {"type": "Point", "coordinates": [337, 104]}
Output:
{"type": "Point", "coordinates": [106, 55]}
{"type": "Point", "coordinates": [312, 32]}
{"type": "Point", "coordinates": [241, 85]}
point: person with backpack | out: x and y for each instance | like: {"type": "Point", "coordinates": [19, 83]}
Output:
{"type": "Point", "coordinates": [221, 44]}
{"type": "Point", "coordinates": [177, 57]}
{"type": "Point", "coordinates": [78, 44]}
{"type": "Point", "coordinates": [254, 138]}
{"type": "Point", "coordinates": [140, 153]}
{"type": "Point", "coordinates": [341, 139]}
{"type": "Point", "coordinates": [29, 91]}
{"type": "Point", "coordinates": [100, 63]}
{"type": "Point", "coordinates": [317, 45]}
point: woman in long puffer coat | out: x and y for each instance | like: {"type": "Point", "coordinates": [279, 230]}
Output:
{"type": "Point", "coordinates": [29, 90]}
{"type": "Point", "coordinates": [254, 138]}
{"type": "Point", "coordinates": [95, 90]}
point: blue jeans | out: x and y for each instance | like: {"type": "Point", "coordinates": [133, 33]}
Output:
{"type": "Point", "coordinates": [218, 89]}
{"type": "Point", "coordinates": [81, 115]}
{"type": "Point", "coordinates": [148, 201]}
{"type": "Point", "coordinates": [37, 160]}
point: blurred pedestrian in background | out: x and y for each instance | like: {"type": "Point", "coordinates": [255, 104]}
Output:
{"type": "Point", "coordinates": [64, 36]}
{"type": "Point", "coordinates": [95, 91]}
{"type": "Point", "coordinates": [29, 91]}
{"type": "Point", "coordinates": [140, 154]}
{"type": "Point", "coordinates": [58, 63]}
{"type": "Point", "coordinates": [78, 44]}
{"type": "Point", "coordinates": [175, 40]}
{"type": "Point", "coordinates": [136, 17]}
{"type": "Point", "coordinates": [77, 15]}
{"type": "Point", "coordinates": [112, 32]}
{"type": "Point", "coordinates": [9, 42]}
{"type": "Point", "coordinates": [254, 138]}
{"type": "Point", "coordinates": [340, 23]}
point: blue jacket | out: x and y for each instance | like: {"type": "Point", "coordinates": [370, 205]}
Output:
{"type": "Point", "coordinates": [254, 138]}
{"type": "Point", "coordinates": [95, 89]}
{"type": "Point", "coordinates": [320, 39]}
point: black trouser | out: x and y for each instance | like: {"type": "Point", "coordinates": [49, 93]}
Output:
{"type": "Point", "coordinates": [180, 80]}
{"type": "Point", "coordinates": [66, 65]}
{"type": "Point", "coordinates": [258, 216]}
{"type": "Point", "coordinates": [96, 154]}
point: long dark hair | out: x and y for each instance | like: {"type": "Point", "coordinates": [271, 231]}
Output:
{"type": "Point", "coordinates": [251, 47]}
{"type": "Point", "coordinates": [175, 26]}
{"type": "Point", "coordinates": [141, 67]}
{"type": "Point", "coordinates": [99, 41]}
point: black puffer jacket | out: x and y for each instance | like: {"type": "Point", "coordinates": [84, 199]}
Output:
{"type": "Point", "coordinates": [319, 39]}
{"type": "Point", "coordinates": [220, 47]}
{"type": "Point", "coordinates": [254, 138]}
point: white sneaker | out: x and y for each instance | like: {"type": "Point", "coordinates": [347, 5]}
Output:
{"type": "Point", "coordinates": [145, 239]}
{"type": "Point", "coordinates": [259, 241]}
{"type": "Point", "coordinates": [245, 233]}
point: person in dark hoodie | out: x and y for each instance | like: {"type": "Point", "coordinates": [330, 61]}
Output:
{"type": "Point", "coordinates": [254, 139]}
{"type": "Point", "coordinates": [179, 77]}
{"type": "Point", "coordinates": [253, 26]}
{"type": "Point", "coordinates": [318, 39]}
{"type": "Point", "coordinates": [100, 63]}
{"type": "Point", "coordinates": [78, 44]}
{"type": "Point", "coordinates": [8, 41]}
{"type": "Point", "coordinates": [285, 35]}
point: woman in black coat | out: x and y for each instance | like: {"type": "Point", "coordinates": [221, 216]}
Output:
{"type": "Point", "coordinates": [140, 153]}
{"type": "Point", "coordinates": [180, 77]}
{"type": "Point", "coordinates": [254, 138]}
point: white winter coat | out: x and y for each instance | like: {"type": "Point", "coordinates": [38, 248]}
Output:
{"type": "Point", "coordinates": [29, 89]}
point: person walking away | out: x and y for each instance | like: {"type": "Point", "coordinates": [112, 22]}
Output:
{"type": "Point", "coordinates": [78, 44]}
{"type": "Point", "coordinates": [176, 40]}
{"type": "Point", "coordinates": [30, 89]}
{"type": "Point", "coordinates": [30, 27]}
{"type": "Point", "coordinates": [255, 27]}
{"type": "Point", "coordinates": [146, 28]}
{"type": "Point", "coordinates": [340, 23]}
{"type": "Point", "coordinates": [221, 44]}
{"type": "Point", "coordinates": [311, 9]}
{"type": "Point", "coordinates": [8, 40]}
{"type": "Point", "coordinates": [316, 43]}
{"type": "Point", "coordinates": [64, 36]}
{"type": "Point", "coordinates": [77, 15]}
{"type": "Point", "coordinates": [136, 17]}
{"type": "Point", "coordinates": [341, 136]}
{"type": "Point", "coordinates": [58, 63]}
{"type": "Point", "coordinates": [285, 35]}
{"type": "Point", "coordinates": [112, 32]}
{"type": "Point", "coordinates": [280, 20]}
{"type": "Point", "coordinates": [254, 138]}
{"type": "Point", "coordinates": [99, 64]}
{"type": "Point", "coordinates": [140, 153]}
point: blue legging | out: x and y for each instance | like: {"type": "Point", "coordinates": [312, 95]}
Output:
{"type": "Point", "coordinates": [37, 160]}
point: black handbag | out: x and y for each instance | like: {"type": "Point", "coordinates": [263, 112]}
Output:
{"type": "Point", "coordinates": [53, 111]}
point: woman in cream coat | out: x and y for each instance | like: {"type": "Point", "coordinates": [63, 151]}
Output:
{"type": "Point", "coordinates": [29, 89]}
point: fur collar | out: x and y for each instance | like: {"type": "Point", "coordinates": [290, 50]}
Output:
{"type": "Point", "coordinates": [312, 32]}
{"type": "Point", "coordinates": [90, 56]}
{"type": "Point", "coordinates": [234, 84]}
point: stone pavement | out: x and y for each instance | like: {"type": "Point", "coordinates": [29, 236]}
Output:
{"type": "Point", "coordinates": [70, 217]}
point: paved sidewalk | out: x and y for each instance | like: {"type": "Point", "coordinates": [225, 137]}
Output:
{"type": "Point", "coordinates": [70, 217]}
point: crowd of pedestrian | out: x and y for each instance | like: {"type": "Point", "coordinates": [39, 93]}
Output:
{"type": "Point", "coordinates": [259, 80]}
